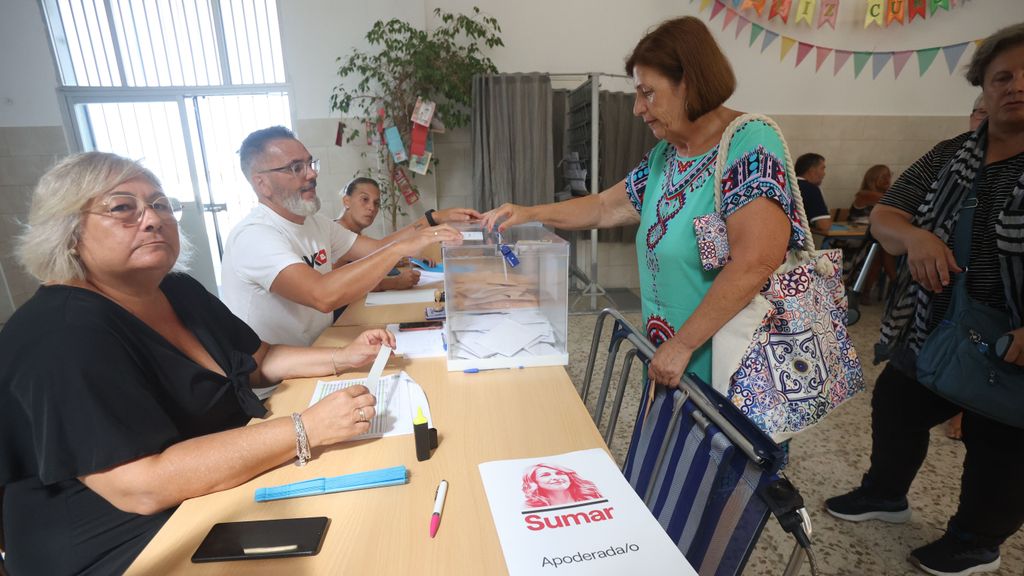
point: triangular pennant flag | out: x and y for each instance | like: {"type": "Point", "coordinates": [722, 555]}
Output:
{"type": "Point", "coordinates": [787, 45]}
{"type": "Point", "coordinates": [755, 31]}
{"type": "Point", "coordinates": [953, 54]}
{"type": "Point", "coordinates": [758, 5]}
{"type": "Point", "coordinates": [741, 25]}
{"type": "Point", "coordinates": [916, 8]}
{"type": "Point", "coordinates": [802, 50]}
{"type": "Point", "coordinates": [736, 3]}
{"type": "Point", "coordinates": [978, 43]}
{"type": "Point", "coordinates": [936, 4]}
{"type": "Point", "coordinates": [878, 62]}
{"type": "Point", "coordinates": [874, 13]}
{"type": "Point", "coordinates": [840, 60]}
{"type": "Point", "coordinates": [829, 11]}
{"type": "Point", "coordinates": [704, 5]}
{"type": "Point", "coordinates": [730, 15]}
{"type": "Point", "coordinates": [820, 54]}
{"type": "Point", "coordinates": [769, 37]}
{"type": "Point", "coordinates": [925, 57]}
{"type": "Point", "coordinates": [894, 10]}
{"type": "Point", "coordinates": [859, 60]}
{"type": "Point", "coordinates": [900, 59]}
{"type": "Point", "coordinates": [718, 7]}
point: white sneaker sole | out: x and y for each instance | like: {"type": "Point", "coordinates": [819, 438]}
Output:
{"type": "Point", "coordinates": [990, 567]}
{"type": "Point", "coordinates": [891, 517]}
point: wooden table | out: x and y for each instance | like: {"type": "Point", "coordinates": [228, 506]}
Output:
{"type": "Point", "coordinates": [495, 415]}
{"type": "Point", "coordinates": [845, 230]}
{"type": "Point", "coordinates": [359, 314]}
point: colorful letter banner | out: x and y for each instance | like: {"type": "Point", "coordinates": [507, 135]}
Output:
{"type": "Point", "coordinates": [916, 8]}
{"type": "Point", "coordinates": [829, 12]}
{"type": "Point", "coordinates": [894, 10]}
{"type": "Point", "coordinates": [805, 11]}
{"type": "Point", "coordinates": [757, 5]}
{"type": "Point", "coordinates": [953, 53]}
{"type": "Point", "coordinates": [875, 13]}
{"type": "Point", "coordinates": [936, 4]}
{"type": "Point", "coordinates": [781, 9]}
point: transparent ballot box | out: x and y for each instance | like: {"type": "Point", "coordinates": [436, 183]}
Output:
{"type": "Point", "coordinates": [507, 299]}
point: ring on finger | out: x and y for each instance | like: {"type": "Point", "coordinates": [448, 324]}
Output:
{"type": "Point", "coordinates": [362, 416]}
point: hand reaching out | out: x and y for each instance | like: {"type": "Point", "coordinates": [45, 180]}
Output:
{"type": "Point", "coordinates": [511, 213]}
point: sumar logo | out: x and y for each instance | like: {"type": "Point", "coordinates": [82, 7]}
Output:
{"type": "Point", "coordinates": [316, 259]}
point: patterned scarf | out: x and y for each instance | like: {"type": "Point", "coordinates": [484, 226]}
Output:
{"type": "Point", "coordinates": [906, 315]}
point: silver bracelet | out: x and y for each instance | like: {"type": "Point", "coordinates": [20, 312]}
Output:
{"type": "Point", "coordinates": [301, 442]}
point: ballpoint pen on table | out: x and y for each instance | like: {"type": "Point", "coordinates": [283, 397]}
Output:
{"type": "Point", "coordinates": [435, 518]}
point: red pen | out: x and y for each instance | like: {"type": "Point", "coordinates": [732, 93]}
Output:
{"type": "Point", "coordinates": [435, 518]}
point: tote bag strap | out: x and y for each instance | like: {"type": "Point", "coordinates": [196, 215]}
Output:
{"type": "Point", "coordinates": [723, 155]}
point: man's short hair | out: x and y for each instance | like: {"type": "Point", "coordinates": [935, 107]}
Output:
{"type": "Point", "coordinates": [256, 143]}
{"type": "Point", "coordinates": [807, 161]}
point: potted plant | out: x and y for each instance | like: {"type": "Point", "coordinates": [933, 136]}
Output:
{"type": "Point", "coordinates": [381, 86]}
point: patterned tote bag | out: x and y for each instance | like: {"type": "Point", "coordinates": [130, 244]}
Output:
{"type": "Point", "coordinates": [786, 360]}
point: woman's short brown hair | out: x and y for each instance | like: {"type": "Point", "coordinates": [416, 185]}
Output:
{"type": "Point", "coordinates": [683, 49]}
{"type": "Point", "coordinates": [994, 45]}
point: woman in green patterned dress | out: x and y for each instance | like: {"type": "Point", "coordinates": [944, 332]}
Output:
{"type": "Point", "coordinates": [682, 80]}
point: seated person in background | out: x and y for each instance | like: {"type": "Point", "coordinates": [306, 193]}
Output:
{"type": "Point", "coordinates": [281, 271]}
{"type": "Point", "coordinates": [873, 186]}
{"type": "Point", "coordinates": [125, 387]}
{"type": "Point", "coordinates": [810, 173]}
{"type": "Point", "coordinates": [361, 198]}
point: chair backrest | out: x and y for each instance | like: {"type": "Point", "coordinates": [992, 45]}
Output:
{"type": "Point", "coordinates": [840, 214]}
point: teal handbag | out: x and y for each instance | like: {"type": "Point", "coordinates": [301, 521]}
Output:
{"type": "Point", "coordinates": [957, 360]}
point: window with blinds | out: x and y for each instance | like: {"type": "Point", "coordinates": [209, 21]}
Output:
{"type": "Point", "coordinates": [160, 43]}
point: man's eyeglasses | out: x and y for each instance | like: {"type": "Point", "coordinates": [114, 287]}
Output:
{"type": "Point", "coordinates": [297, 168]}
{"type": "Point", "coordinates": [128, 209]}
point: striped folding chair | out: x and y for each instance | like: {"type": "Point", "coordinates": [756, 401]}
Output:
{"type": "Point", "coordinates": [706, 472]}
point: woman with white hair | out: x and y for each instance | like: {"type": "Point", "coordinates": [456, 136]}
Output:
{"type": "Point", "coordinates": [125, 387]}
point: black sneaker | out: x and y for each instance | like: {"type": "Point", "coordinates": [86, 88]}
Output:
{"type": "Point", "coordinates": [951, 556]}
{"type": "Point", "coordinates": [857, 507]}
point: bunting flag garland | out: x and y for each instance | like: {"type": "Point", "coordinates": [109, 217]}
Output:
{"type": "Point", "coordinates": [872, 16]}
{"type": "Point", "coordinates": [829, 10]}
{"type": "Point", "coordinates": [899, 60]}
{"type": "Point", "coordinates": [952, 53]}
{"type": "Point", "coordinates": [802, 50]}
{"type": "Point", "coordinates": [741, 26]}
{"type": "Point", "coordinates": [805, 11]}
{"type": "Point", "coordinates": [780, 8]}
{"type": "Point", "coordinates": [787, 45]}
{"type": "Point", "coordinates": [755, 31]}
{"type": "Point", "coordinates": [878, 62]}
{"type": "Point", "coordinates": [925, 58]}
{"type": "Point", "coordinates": [820, 55]}
{"type": "Point", "coordinates": [894, 10]}
{"type": "Point", "coordinates": [842, 56]}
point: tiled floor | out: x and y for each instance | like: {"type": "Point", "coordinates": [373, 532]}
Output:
{"type": "Point", "coordinates": [829, 460]}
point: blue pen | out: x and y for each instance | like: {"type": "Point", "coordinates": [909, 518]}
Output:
{"type": "Point", "coordinates": [476, 370]}
{"type": "Point", "coordinates": [444, 342]}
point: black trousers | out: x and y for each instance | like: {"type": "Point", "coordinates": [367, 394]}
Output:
{"type": "Point", "coordinates": [992, 485]}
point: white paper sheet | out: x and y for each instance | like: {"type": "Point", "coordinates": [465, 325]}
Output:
{"type": "Point", "coordinates": [418, 343]}
{"type": "Point", "coordinates": [427, 277]}
{"type": "Point", "coordinates": [472, 235]}
{"type": "Point", "coordinates": [399, 297]}
{"type": "Point", "coordinates": [508, 337]}
{"type": "Point", "coordinates": [378, 367]}
{"type": "Point", "coordinates": [605, 529]}
{"type": "Point", "coordinates": [398, 397]}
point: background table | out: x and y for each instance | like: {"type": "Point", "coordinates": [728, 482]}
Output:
{"type": "Point", "coordinates": [495, 415]}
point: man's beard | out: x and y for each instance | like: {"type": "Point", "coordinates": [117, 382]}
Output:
{"type": "Point", "coordinates": [304, 208]}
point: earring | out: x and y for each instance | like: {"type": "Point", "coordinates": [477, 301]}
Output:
{"type": "Point", "coordinates": [74, 252]}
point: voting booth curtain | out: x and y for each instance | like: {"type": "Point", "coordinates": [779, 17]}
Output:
{"type": "Point", "coordinates": [513, 160]}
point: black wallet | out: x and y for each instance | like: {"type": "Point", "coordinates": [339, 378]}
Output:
{"type": "Point", "coordinates": [262, 539]}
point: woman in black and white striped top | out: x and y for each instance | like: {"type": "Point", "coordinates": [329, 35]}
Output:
{"type": "Point", "coordinates": [916, 219]}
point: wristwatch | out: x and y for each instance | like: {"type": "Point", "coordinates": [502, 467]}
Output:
{"type": "Point", "coordinates": [429, 215]}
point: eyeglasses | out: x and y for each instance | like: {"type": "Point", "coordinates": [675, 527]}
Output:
{"type": "Point", "coordinates": [128, 209]}
{"type": "Point", "coordinates": [297, 168]}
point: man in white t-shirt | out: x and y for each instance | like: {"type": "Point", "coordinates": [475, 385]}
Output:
{"type": "Point", "coordinates": [280, 272]}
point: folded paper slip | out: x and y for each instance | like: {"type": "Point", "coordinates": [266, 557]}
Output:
{"type": "Point", "coordinates": [356, 481]}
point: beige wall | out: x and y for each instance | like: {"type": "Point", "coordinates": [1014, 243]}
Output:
{"type": "Point", "coordinates": [25, 154]}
